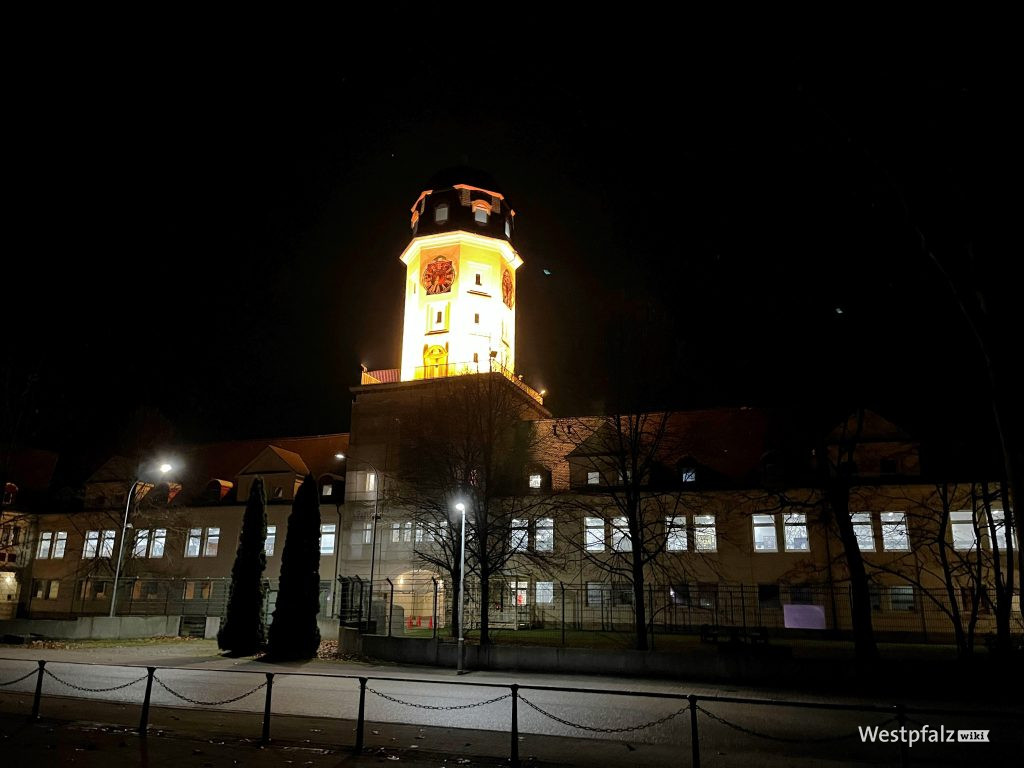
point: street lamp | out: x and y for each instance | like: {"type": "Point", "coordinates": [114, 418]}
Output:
{"type": "Point", "coordinates": [373, 535]}
{"type": "Point", "coordinates": [164, 469]}
{"type": "Point", "coordinates": [462, 587]}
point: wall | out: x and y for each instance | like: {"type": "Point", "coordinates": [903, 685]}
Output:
{"type": "Point", "coordinates": [94, 627]}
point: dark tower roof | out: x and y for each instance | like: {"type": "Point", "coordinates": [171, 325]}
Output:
{"type": "Point", "coordinates": [462, 199]}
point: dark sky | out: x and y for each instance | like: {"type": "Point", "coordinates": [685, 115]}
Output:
{"type": "Point", "coordinates": [215, 238]}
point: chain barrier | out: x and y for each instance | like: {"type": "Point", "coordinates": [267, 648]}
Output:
{"type": "Point", "coordinates": [183, 697]}
{"type": "Point", "coordinates": [627, 729]}
{"type": "Point", "coordinates": [801, 740]}
{"type": "Point", "coordinates": [26, 677]}
{"type": "Point", "coordinates": [428, 706]}
{"type": "Point", "coordinates": [94, 690]}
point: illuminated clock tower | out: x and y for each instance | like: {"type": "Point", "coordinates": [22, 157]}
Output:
{"type": "Point", "coordinates": [460, 292]}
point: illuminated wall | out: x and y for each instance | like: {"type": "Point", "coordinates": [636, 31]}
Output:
{"type": "Point", "coordinates": [460, 308]}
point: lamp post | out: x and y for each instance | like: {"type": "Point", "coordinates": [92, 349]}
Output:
{"type": "Point", "coordinates": [373, 534]}
{"type": "Point", "coordinates": [164, 469]}
{"type": "Point", "coordinates": [462, 587]}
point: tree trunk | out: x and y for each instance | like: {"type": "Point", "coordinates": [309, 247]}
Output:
{"type": "Point", "coordinates": [639, 606]}
{"type": "Point", "coordinates": [860, 596]}
{"type": "Point", "coordinates": [485, 605]}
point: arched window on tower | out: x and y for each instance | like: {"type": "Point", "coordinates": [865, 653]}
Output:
{"type": "Point", "coordinates": [441, 213]}
{"type": "Point", "coordinates": [481, 211]}
{"type": "Point", "coordinates": [435, 362]}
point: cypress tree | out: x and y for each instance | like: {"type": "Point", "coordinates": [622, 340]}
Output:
{"type": "Point", "coordinates": [244, 631]}
{"type": "Point", "coordinates": [294, 633]}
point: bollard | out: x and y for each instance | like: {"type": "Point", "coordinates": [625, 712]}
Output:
{"type": "Point", "coordinates": [362, 715]}
{"type": "Point", "coordinates": [39, 691]}
{"type": "Point", "coordinates": [265, 738]}
{"type": "Point", "coordinates": [144, 719]}
{"type": "Point", "coordinates": [515, 726]}
{"type": "Point", "coordinates": [901, 718]}
{"type": "Point", "coordinates": [694, 740]}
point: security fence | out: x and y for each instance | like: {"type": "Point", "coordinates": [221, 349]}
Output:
{"type": "Point", "coordinates": [711, 719]}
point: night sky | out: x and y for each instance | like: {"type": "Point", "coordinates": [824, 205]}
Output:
{"type": "Point", "coordinates": [210, 242]}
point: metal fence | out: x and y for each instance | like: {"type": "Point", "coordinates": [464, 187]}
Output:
{"type": "Point", "coordinates": [682, 707]}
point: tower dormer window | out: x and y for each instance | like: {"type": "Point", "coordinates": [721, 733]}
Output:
{"type": "Point", "coordinates": [508, 228]}
{"type": "Point", "coordinates": [481, 211]}
{"type": "Point", "coordinates": [441, 213]}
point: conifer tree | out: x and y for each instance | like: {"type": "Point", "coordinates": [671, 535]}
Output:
{"type": "Point", "coordinates": [244, 631]}
{"type": "Point", "coordinates": [294, 633]}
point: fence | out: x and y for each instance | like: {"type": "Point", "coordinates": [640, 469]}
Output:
{"type": "Point", "coordinates": [691, 706]}
{"type": "Point", "coordinates": [539, 610]}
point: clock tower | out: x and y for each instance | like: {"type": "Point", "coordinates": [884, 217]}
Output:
{"type": "Point", "coordinates": [460, 291]}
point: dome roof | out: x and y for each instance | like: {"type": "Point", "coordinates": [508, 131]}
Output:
{"type": "Point", "coordinates": [463, 174]}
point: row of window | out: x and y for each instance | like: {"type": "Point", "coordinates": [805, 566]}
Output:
{"type": "Point", "coordinates": [687, 475]}
{"type": "Point", "coordinates": [481, 215]}
{"type": "Point", "coordinates": [152, 542]}
{"type": "Point", "coordinates": [95, 589]}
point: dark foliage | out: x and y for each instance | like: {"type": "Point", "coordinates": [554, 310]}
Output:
{"type": "Point", "coordinates": [244, 631]}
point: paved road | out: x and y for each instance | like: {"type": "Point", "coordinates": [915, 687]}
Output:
{"type": "Point", "coordinates": [322, 690]}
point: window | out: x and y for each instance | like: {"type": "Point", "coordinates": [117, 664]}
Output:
{"type": "Point", "coordinates": [368, 532]}
{"type": "Point", "coordinates": [768, 597]}
{"type": "Point", "coordinates": [327, 534]}
{"type": "Point", "coordinates": [593, 530]}
{"type": "Point", "coordinates": [477, 280]}
{"type": "Point", "coordinates": [476, 318]}
{"type": "Point", "coordinates": [407, 532]}
{"type": "Point", "coordinates": [328, 489]}
{"type": "Point", "coordinates": [99, 543]}
{"type": "Point", "coordinates": [141, 543]}
{"type": "Point", "coordinates": [212, 542]}
{"type": "Point", "coordinates": [519, 591]}
{"type": "Point", "coordinates": [595, 593]}
{"type": "Point", "coordinates": [158, 542]}
{"type": "Point", "coordinates": [419, 533]}
{"type": "Point", "coordinates": [679, 594]}
{"type": "Point", "coordinates": [271, 541]}
{"type": "Point", "coordinates": [545, 593]}
{"type": "Point", "coordinates": [901, 598]}
{"type": "Point", "coordinates": [60, 543]}
{"type": "Point", "coordinates": [894, 532]}
{"type": "Point", "coordinates": [621, 542]}
{"type": "Point", "coordinates": [46, 589]}
{"type": "Point", "coordinates": [476, 357]}
{"type": "Point", "coordinates": [764, 534]}
{"type": "Point", "coordinates": [707, 595]}
{"type": "Point", "coordinates": [396, 533]}
{"type": "Point", "coordinates": [675, 533]}
{"type": "Point", "coordinates": [621, 593]}
{"type": "Point", "coordinates": [593, 478]}
{"type": "Point", "coordinates": [481, 211]}
{"type": "Point", "coordinates": [519, 536]}
{"type": "Point", "coordinates": [688, 475]}
{"type": "Point", "coordinates": [961, 523]}
{"type": "Point", "coordinates": [198, 590]}
{"type": "Point", "coordinates": [195, 536]}
{"type": "Point", "coordinates": [704, 537]}
{"type": "Point", "coordinates": [862, 531]}
{"type": "Point", "coordinates": [508, 228]}
{"type": "Point", "coordinates": [626, 477]}
{"type": "Point", "coordinates": [90, 589]}
{"type": "Point", "coordinates": [146, 590]}
{"type": "Point", "coordinates": [795, 530]}
{"type": "Point", "coordinates": [875, 595]}
{"type": "Point", "coordinates": [441, 213]}
{"type": "Point", "coordinates": [544, 536]}
{"type": "Point", "coordinates": [535, 480]}
{"type": "Point", "coordinates": [998, 520]}
{"type": "Point", "coordinates": [438, 317]}
{"type": "Point", "coordinates": [45, 543]}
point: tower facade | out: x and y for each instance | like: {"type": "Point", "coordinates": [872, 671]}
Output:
{"type": "Point", "coordinates": [460, 292]}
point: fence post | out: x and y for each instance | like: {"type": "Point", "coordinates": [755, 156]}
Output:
{"type": "Point", "coordinates": [391, 605]}
{"type": "Point", "coordinates": [901, 718]}
{"type": "Point", "coordinates": [362, 716]}
{"type": "Point", "coordinates": [743, 606]}
{"type": "Point", "coordinates": [265, 738]}
{"type": "Point", "coordinates": [515, 726]}
{"type": "Point", "coordinates": [144, 719]}
{"type": "Point", "coordinates": [39, 690]}
{"type": "Point", "coordinates": [694, 739]}
{"type": "Point", "coordinates": [650, 611]}
{"type": "Point", "coordinates": [433, 621]}
{"type": "Point", "coordinates": [562, 585]}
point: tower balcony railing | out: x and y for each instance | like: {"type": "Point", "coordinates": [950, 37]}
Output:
{"type": "Point", "coordinates": [444, 370]}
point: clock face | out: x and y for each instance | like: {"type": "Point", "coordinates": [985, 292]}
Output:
{"type": "Point", "coordinates": [438, 276]}
{"type": "Point", "coordinates": [508, 291]}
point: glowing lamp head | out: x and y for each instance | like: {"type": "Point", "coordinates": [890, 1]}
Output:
{"type": "Point", "coordinates": [165, 468]}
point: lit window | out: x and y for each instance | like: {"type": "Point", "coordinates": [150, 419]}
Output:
{"type": "Point", "coordinates": [545, 592]}
{"type": "Point", "coordinates": [795, 529]}
{"type": "Point", "coordinates": [901, 598]}
{"type": "Point", "coordinates": [519, 536]}
{"type": "Point", "coordinates": [368, 532]}
{"type": "Point", "coordinates": [508, 228]}
{"type": "Point", "coordinates": [146, 590]}
{"type": "Point", "coordinates": [407, 532]}
{"type": "Point", "coordinates": [328, 489]}
{"type": "Point", "coordinates": [594, 534]}
{"type": "Point", "coordinates": [327, 534]}
{"type": "Point", "coordinates": [481, 211]}
{"type": "Point", "coordinates": [862, 531]}
{"type": "Point", "coordinates": [396, 532]}
{"type": "Point", "coordinates": [158, 543]}
{"type": "Point", "coordinates": [441, 213]}
{"type": "Point", "coordinates": [961, 524]}
{"type": "Point", "coordinates": [195, 536]}
{"type": "Point", "coordinates": [535, 481]}
{"type": "Point", "coordinates": [621, 542]}
{"type": "Point", "coordinates": [371, 482]}
{"type": "Point", "coordinates": [92, 589]}
{"type": "Point", "coordinates": [46, 589]}
{"type": "Point", "coordinates": [107, 543]}
{"type": "Point", "coordinates": [688, 475]}
{"type": "Point", "coordinates": [45, 543]}
{"type": "Point", "coordinates": [595, 592]}
{"type": "Point", "coordinates": [198, 590]}
{"type": "Point", "coordinates": [675, 533]}
{"type": "Point", "coordinates": [764, 534]}
{"type": "Point", "coordinates": [593, 478]}
{"type": "Point", "coordinates": [519, 591]}
{"type": "Point", "coordinates": [212, 542]}
{"type": "Point", "coordinates": [998, 525]}
{"type": "Point", "coordinates": [271, 540]}
{"type": "Point", "coordinates": [704, 536]}
{"type": "Point", "coordinates": [60, 542]}
{"type": "Point", "coordinates": [894, 532]}
{"type": "Point", "coordinates": [141, 543]}
{"type": "Point", "coordinates": [544, 538]}
{"type": "Point", "coordinates": [92, 541]}
{"type": "Point", "coordinates": [420, 533]}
